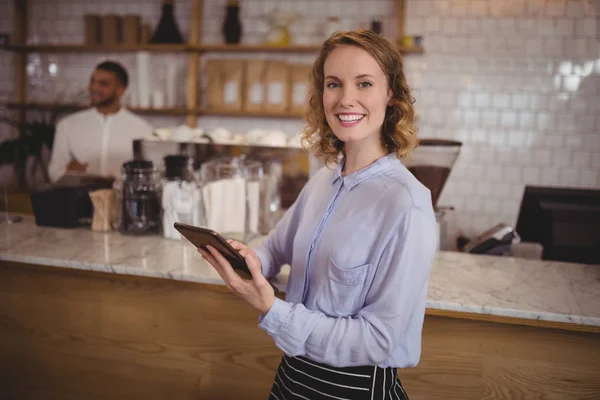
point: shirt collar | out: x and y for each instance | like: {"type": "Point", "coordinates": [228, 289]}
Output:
{"type": "Point", "coordinates": [355, 178]}
{"type": "Point", "coordinates": [102, 116]}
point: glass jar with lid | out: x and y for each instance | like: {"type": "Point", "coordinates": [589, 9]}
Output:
{"type": "Point", "coordinates": [231, 191]}
{"type": "Point", "coordinates": [140, 198]}
{"type": "Point", "coordinates": [180, 195]}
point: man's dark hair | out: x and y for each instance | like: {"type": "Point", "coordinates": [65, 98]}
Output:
{"type": "Point", "coordinates": [117, 69]}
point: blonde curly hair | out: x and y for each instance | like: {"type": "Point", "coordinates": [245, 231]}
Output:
{"type": "Point", "coordinates": [399, 132]}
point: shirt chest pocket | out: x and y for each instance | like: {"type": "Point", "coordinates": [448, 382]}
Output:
{"type": "Point", "coordinates": [344, 292]}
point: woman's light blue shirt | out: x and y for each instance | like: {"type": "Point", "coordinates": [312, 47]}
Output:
{"type": "Point", "coordinates": [360, 249]}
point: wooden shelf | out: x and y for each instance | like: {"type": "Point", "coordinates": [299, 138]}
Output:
{"type": "Point", "coordinates": [411, 50]}
{"type": "Point", "coordinates": [42, 106]}
{"type": "Point", "coordinates": [160, 111]}
{"type": "Point", "coordinates": [249, 114]}
{"type": "Point", "coordinates": [256, 48]}
{"type": "Point", "coordinates": [81, 48]}
{"type": "Point", "coordinates": [51, 106]}
{"type": "Point", "coordinates": [166, 48]}
{"type": "Point", "coordinates": [193, 50]}
{"type": "Point", "coordinates": [153, 111]}
{"type": "Point", "coordinates": [243, 48]}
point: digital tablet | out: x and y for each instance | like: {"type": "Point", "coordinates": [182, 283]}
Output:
{"type": "Point", "coordinates": [200, 237]}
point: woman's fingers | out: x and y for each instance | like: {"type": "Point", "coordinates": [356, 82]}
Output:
{"type": "Point", "coordinates": [237, 245]}
{"type": "Point", "coordinates": [218, 256]}
{"type": "Point", "coordinates": [250, 256]}
{"type": "Point", "coordinates": [252, 260]}
{"type": "Point", "coordinates": [222, 270]}
{"type": "Point", "coordinates": [257, 292]}
{"type": "Point", "coordinates": [208, 257]}
{"type": "Point", "coordinates": [229, 274]}
{"type": "Point", "coordinates": [254, 265]}
{"type": "Point", "coordinates": [215, 264]}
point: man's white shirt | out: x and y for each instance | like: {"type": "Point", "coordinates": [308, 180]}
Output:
{"type": "Point", "coordinates": [104, 142]}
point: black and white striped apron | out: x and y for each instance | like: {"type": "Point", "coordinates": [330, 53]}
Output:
{"type": "Point", "coordinates": [302, 378]}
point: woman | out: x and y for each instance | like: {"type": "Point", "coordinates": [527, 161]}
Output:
{"type": "Point", "coordinates": [360, 238]}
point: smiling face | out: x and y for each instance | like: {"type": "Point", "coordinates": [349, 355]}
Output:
{"type": "Point", "coordinates": [104, 88]}
{"type": "Point", "coordinates": [355, 96]}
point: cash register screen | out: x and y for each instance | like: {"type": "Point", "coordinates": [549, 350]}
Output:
{"type": "Point", "coordinates": [566, 222]}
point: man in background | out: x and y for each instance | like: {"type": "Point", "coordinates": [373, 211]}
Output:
{"type": "Point", "coordinates": [98, 140]}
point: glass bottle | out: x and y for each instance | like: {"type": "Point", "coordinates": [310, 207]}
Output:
{"type": "Point", "coordinates": [167, 30]}
{"type": "Point", "coordinates": [376, 25]}
{"type": "Point", "coordinates": [232, 26]}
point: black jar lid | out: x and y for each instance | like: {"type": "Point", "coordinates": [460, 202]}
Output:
{"type": "Point", "coordinates": [135, 166]}
{"type": "Point", "coordinates": [176, 165]}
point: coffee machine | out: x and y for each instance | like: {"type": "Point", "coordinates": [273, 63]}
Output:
{"type": "Point", "coordinates": [431, 164]}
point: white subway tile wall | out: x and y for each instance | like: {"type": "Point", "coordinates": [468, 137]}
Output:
{"type": "Point", "coordinates": [518, 82]}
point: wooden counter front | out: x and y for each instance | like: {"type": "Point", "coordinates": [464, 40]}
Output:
{"type": "Point", "coordinates": [73, 334]}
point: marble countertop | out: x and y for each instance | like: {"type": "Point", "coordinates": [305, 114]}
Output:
{"type": "Point", "coordinates": [501, 286]}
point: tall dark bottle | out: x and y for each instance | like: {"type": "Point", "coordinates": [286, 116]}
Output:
{"type": "Point", "coordinates": [167, 30]}
{"type": "Point", "coordinates": [232, 26]}
{"type": "Point", "coordinates": [376, 25]}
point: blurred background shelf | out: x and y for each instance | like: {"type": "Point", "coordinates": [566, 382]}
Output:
{"type": "Point", "coordinates": [161, 111]}
{"type": "Point", "coordinates": [249, 114]}
{"type": "Point", "coordinates": [194, 49]}
{"type": "Point", "coordinates": [54, 106]}
{"type": "Point", "coordinates": [155, 111]}
{"type": "Point", "coordinates": [411, 50]}
{"type": "Point", "coordinates": [249, 48]}
{"type": "Point", "coordinates": [173, 48]}
{"type": "Point", "coordinates": [254, 48]}
{"type": "Point", "coordinates": [80, 48]}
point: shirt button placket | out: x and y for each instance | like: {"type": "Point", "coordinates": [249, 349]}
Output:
{"type": "Point", "coordinates": [316, 236]}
